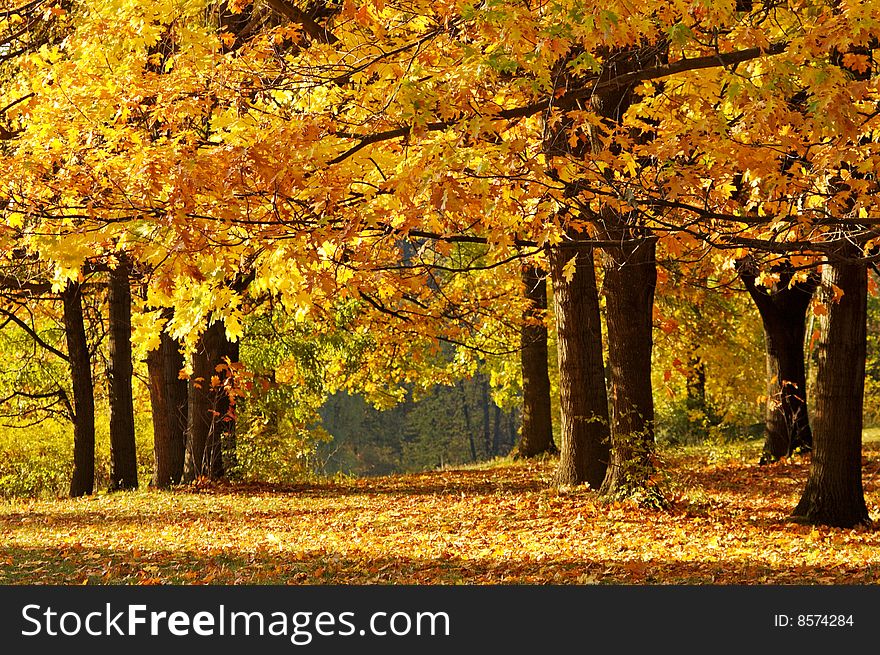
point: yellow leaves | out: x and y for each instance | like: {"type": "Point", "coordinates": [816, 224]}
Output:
{"type": "Point", "coordinates": [767, 279]}
{"type": "Point", "coordinates": [501, 524]}
{"type": "Point", "coordinates": [856, 62]}
{"type": "Point", "coordinates": [569, 268]}
{"type": "Point", "coordinates": [238, 6]}
{"type": "Point", "coordinates": [629, 164]}
{"type": "Point", "coordinates": [14, 219]}
{"type": "Point", "coordinates": [146, 329]}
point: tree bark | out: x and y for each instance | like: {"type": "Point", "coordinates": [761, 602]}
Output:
{"type": "Point", "coordinates": [833, 494]}
{"type": "Point", "coordinates": [630, 281]}
{"type": "Point", "coordinates": [123, 451]}
{"type": "Point", "coordinates": [208, 408]}
{"type": "Point", "coordinates": [487, 427]}
{"type": "Point", "coordinates": [695, 401]}
{"type": "Point", "coordinates": [168, 398]}
{"type": "Point", "coordinates": [228, 440]}
{"type": "Point", "coordinates": [537, 418]}
{"type": "Point", "coordinates": [82, 481]}
{"type": "Point", "coordinates": [496, 432]}
{"type": "Point", "coordinates": [467, 422]}
{"type": "Point", "coordinates": [783, 311]}
{"type": "Point", "coordinates": [584, 443]}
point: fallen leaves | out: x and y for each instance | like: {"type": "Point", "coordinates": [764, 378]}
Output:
{"type": "Point", "coordinates": [728, 524]}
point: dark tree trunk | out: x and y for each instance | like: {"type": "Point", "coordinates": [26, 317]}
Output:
{"type": "Point", "coordinates": [695, 401]}
{"type": "Point", "coordinates": [168, 398]}
{"type": "Point", "coordinates": [82, 481]}
{"type": "Point", "coordinates": [487, 426]}
{"type": "Point", "coordinates": [208, 408]}
{"type": "Point", "coordinates": [468, 426]}
{"type": "Point", "coordinates": [537, 418]}
{"type": "Point", "coordinates": [630, 280]}
{"type": "Point", "coordinates": [583, 398]}
{"type": "Point", "coordinates": [123, 452]}
{"type": "Point", "coordinates": [833, 494]}
{"type": "Point", "coordinates": [783, 311]}
{"type": "Point", "coordinates": [496, 432]}
{"type": "Point", "coordinates": [230, 353]}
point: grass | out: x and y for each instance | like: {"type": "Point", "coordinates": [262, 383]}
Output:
{"type": "Point", "coordinates": [504, 524]}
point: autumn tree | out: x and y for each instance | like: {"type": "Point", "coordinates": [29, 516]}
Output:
{"type": "Point", "coordinates": [783, 308]}
{"type": "Point", "coordinates": [834, 494]}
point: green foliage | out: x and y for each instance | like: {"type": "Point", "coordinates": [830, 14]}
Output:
{"type": "Point", "coordinates": [715, 334]}
{"type": "Point", "coordinates": [449, 425]}
{"type": "Point", "coordinates": [289, 368]}
{"type": "Point", "coordinates": [37, 460]}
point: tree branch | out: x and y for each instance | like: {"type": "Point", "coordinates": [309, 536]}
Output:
{"type": "Point", "coordinates": [570, 98]}
{"type": "Point", "coordinates": [297, 15]}
{"type": "Point", "coordinates": [33, 334]}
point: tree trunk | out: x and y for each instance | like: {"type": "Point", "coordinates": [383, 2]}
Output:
{"type": "Point", "coordinates": [207, 406]}
{"type": "Point", "coordinates": [496, 432]}
{"type": "Point", "coordinates": [123, 452]}
{"type": "Point", "coordinates": [487, 427]}
{"type": "Point", "coordinates": [833, 494]}
{"type": "Point", "coordinates": [783, 311]}
{"type": "Point", "coordinates": [82, 481]}
{"type": "Point", "coordinates": [229, 352]}
{"type": "Point", "coordinates": [695, 402]}
{"type": "Point", "coordinates": [584, 446]}
{"type": "Point", "coordinates": [467, 422]}
{"type": "Point", "coordinates": [168, 398]}
{"type": "Point", "coordinates": [630, 280]}
{"type": "Point", "coordinates": [537, 418]}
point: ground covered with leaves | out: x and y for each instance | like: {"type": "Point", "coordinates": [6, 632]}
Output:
{"type": "Point", "coordinates": [727, 523]}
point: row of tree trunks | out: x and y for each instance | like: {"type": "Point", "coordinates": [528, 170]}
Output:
{"type": "Point", "coordinates": [191, 421]}
{"type": "Point", "coordinates": [833, 494]}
